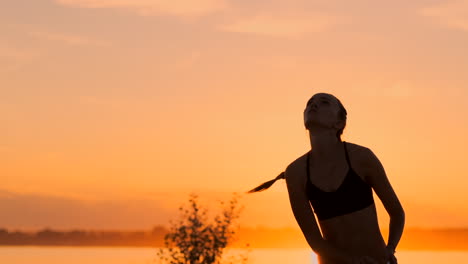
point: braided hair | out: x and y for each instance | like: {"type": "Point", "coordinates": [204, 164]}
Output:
{"type": "Point", "coordinates": [267, 184]}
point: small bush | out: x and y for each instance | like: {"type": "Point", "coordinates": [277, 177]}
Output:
{"type": "Point", "coordinates": [196, 240]}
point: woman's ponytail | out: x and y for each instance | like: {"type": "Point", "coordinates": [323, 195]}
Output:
{"type": "Point", "coordinates": [267, 184]}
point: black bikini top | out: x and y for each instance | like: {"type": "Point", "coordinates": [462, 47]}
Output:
{"type": "Point", "coordinates": [353, 194]}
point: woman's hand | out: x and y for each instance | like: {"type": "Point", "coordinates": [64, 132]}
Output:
{"type": "Point", "coordinates": [391, 259]}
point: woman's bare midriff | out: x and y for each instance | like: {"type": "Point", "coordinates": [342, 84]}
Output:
{"type": "Point", "coordinates": [357, 233]}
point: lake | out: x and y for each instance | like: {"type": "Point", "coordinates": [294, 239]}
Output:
{"type": "Point", "coordinates": [132, 255]}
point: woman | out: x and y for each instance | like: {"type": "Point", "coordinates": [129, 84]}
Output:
{"type": "Point", "coordinates": [337, 179]}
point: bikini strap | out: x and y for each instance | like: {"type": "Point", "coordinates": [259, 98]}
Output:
{"type": "Point", "coordinates": [307, 166]}
{"type": "Point", "coordinates": [346, 153]}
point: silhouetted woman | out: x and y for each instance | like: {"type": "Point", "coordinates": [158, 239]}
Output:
{"type": "Point", "coordinates": [337, 178]}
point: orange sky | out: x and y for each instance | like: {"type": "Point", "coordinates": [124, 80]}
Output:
{"type": "Point", "coordinates": [121, 108]}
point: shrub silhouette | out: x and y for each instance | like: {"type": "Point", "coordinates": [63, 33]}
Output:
{"type": "Point", "coordinates": [196, 240]}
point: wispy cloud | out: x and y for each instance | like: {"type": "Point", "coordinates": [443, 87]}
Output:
{"type": "Point", "coordinates": [453, 14]}
{"type": "Point", "coordinates": [12, 53]}
{"type": "Point", "coordinates": [74, 40]}
{"type": "Point", "coordinates": [188, 61]}
{"type": "Point", "coordinates": [278, 26]}
{"type": "Point", "coordinates": [154, 7]}
{"type": "Point", "coordinates": [100, 101]}
{"type": "Point", "coordinates": [399, 89]}
{"type": "Point", "coordinates": [33, 211]}
{"type": "Point", "coordinates": [12, 58]}
{"type": "Point", "coordinates": [395, 89]}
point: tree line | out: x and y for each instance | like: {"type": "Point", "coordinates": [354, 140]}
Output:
{"type": "Point", "coordinates": [50, 237]}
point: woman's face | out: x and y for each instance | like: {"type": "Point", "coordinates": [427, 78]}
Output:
{"type": "Point", "coordinates": [321, 110]}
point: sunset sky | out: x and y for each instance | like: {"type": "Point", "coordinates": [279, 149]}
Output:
{"type": "Point", "coordinates": [113, 111]}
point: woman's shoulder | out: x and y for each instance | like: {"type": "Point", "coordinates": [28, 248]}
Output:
{"type": "Point", "coordinates": [296, 166]}
{"type": "Point", "coordinates": [360, 156]}
{"type": "Point", "coordinates": [356, 150]}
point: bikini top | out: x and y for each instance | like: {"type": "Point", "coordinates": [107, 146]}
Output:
{"type": "Point", "coordinates": [352, 195]}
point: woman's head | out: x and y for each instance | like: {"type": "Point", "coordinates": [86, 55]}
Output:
{"type": "Point", "coordinates": [325, 111]}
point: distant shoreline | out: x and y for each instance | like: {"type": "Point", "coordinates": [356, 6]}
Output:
{"type": "Point", "coordinates": [239, 248]}
{"type": "Point", "coordinates": [414, 239]}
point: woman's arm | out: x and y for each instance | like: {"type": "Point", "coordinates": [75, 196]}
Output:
{"type": "Point", "coordinates": [375, 175]}
{"type": "Point", "coordinates": [305, 218]}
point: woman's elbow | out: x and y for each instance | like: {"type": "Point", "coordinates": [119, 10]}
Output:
{"type": "Point", "coordinates": [317, 246]}
{"type": "Point", "coordinates": [398, 214]}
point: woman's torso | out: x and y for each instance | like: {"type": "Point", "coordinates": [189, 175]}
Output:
{"type": "Point", "coordinates": [356, 232]}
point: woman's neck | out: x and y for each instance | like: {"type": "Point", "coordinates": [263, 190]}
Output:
{"type": "Point", "coordinates": [324, 145]}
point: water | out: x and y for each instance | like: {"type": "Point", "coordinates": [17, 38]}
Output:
{"type": "Point", "coordinates": [129, 255]}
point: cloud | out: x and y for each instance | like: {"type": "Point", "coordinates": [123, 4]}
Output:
{"type": "Point", "coordinates": [97, 101]}
{"type": "Point", "coordinates": [69, 39]}
{"type": "Point", "coordinates": [399, 89]}
{"type": "Point", "coordinates": [276, 26]}
{"type": "Point", "coordinates": [394, 89]}
{"type": "Point", "coordinates": [453, 14]}
{"type": "Point", "coordinates": [35, 211]}
{"type": "Point", "coordinates": [12, 58]}
{"type": "Point", "coordinates": [192, 8]}
{"type": "Point", "coordinates": [188, 61]}
{"type": "Point", "coordinates": [12, 53]}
